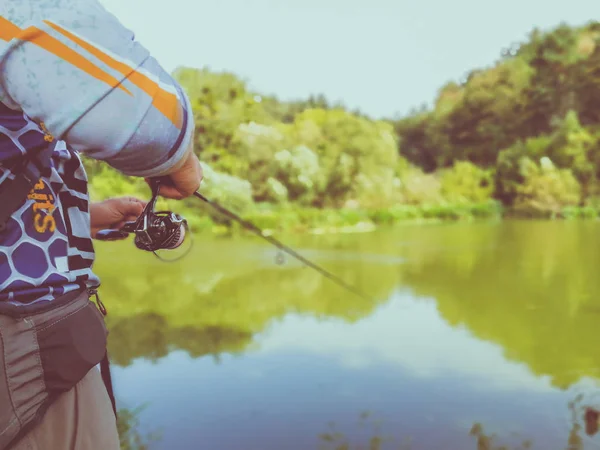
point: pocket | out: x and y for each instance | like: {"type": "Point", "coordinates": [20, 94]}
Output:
{"type": "Point", "coordinates": [71, 347]}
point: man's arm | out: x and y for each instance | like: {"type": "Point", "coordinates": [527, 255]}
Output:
{"type": "Point", "coordinates": [75, 67]}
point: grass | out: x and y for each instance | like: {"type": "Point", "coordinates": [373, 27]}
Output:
{"type": "Point", "coordinates": [273, 219]}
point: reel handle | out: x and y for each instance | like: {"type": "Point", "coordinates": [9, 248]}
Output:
{"type": "Point", "coordinates": [116, 235]}
{"type": "Point", "coordinates": [129, 227]}
{"type": "Point", "coordinates": [111, 235]}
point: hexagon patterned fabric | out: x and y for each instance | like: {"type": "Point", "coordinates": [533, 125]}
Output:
{"type": "Point", "coordinates": [46, 249]}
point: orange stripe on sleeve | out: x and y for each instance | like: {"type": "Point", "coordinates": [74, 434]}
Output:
{"type": "Point", "coordinates": [9, 31]}
{"type": "Point", "coordinates": [165, 102]}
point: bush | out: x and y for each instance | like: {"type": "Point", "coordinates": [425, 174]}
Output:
{"type": "Point", "coordinates": [418, 188]}
{"type": "Point", "coordinates": [466, 183]}
{"type": "Point", "coordinates": [546, 190]}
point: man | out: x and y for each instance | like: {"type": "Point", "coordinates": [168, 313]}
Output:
{"type": "Point", "coordinates": [72, 80]}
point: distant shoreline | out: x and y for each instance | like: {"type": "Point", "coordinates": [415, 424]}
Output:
{"type": "Point", "coordinates": [338, 221]}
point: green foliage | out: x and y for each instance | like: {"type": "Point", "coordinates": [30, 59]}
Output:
{"type": "Point", "coordinates": [546, 190]}
{"type": "Point", "coordinates": [544, 175]}
{"type": "Point", "coordinates": [106, 182]}
{"type": "Point", "coordinates": [485, 138]}
{"type": "Point", "coordinates": [420, 188]}
{"type": "Point", "coordinates": [467, 183]}
{"type": "Point", "coordinates": [299, 172]}
{"type": "Point", "coordinates": [510, 164]}
{"type": "Point", "coordinates": [221, 102]}
{"type": "Point", "coordinates": [539, 100]}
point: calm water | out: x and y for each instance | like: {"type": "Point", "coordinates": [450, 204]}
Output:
{"type": "Point", "coordinates": [475, 331]}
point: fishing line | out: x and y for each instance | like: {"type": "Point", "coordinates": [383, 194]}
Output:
{"type": "Point", "coordinates": [253, 228]}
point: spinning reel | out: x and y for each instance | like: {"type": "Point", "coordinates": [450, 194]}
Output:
{"type": "Point", "coordinates": [154, 230]}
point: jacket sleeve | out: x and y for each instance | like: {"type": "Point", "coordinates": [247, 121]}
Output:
{"type": "Point", "coordinates": [73, 66]}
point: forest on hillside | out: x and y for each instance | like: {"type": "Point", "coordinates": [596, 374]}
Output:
{"type": "Point", "coordinates": [520, 137]}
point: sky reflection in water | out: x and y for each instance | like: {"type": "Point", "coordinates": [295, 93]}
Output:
{"type": "Point", "coordinates": [417, 377]}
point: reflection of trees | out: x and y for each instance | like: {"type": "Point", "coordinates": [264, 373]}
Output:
{"type": "Point", "coordinates": [150, 336]}
{"type": "Point", "coordinates": [225, 292]}
{"type": "Point", "coordinates": [531, 287]}
{"type": "Point", "coordinates": [488, 441]}
{"type": "Point", "coordinates": [584, 417]}
{"type": "Point", "coordinates": [129, 435]}
{"type": "Point", "coordinates": [376, 438]}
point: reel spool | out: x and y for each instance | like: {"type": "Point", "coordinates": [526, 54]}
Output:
{"type": "Point", "coordinates": [154, 230]}
{"type": "Point", "coordinates": [161, 230]}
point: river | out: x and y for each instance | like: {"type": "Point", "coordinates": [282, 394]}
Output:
{"type": "Point", "coordinates": [477, 334]}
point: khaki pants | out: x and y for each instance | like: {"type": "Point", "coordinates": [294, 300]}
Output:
{"type": "Point", "coordinates": [81, 419]}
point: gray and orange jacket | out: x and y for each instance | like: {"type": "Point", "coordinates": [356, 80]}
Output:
{"type": "Point", "coordinates": [71, 70]}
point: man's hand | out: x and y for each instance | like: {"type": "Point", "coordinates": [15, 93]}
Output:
{"type": "Point", "coordinates": [184, 180]}
{"type": "Point", "coordinates": [114, 212]}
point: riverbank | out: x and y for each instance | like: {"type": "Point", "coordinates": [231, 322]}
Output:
{"type": "Point", "coordinates": [272, 220]}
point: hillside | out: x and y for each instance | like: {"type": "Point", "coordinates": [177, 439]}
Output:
{"type": "Point", "coordinates": [532, 119]}
{"type": "Point", "coordinates": [523, 134]}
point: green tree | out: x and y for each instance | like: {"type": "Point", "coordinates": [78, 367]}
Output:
{"type": "Point", "coordinates": [546, 190]}
{"type": "Point", "coordinates": [356, 155]}
{"type": "Point", "coordinates": [221, 102]}
{"type": "Point", "coordinates": [466, 183]}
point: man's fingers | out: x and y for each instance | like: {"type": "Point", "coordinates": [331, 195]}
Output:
{"type": "Point", "coordinates": [130, 206]}
{"type": "Point", "coordinates": [170, 192]}
{"type": "Point", "coordinates": [184, 181]}
{"type": "Point", "coordinates": [167, 190]}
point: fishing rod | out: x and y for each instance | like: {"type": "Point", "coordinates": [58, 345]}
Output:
{"type": "Point", "coordinates": [165, 230]}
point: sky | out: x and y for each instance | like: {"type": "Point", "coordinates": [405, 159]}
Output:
{"type": "Point", "coordinates": [383, 57]}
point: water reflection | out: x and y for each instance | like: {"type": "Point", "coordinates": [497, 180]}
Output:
{"type": "Point", "coordinates": [535, 292]}
{"type": "Point", "coordinates": [403, 361]}
{"type": "Point", "coordinates": [482, 336]}
{"type": "Point", "coordinates": [150, 336]}
{"type": "Point", "coordinates": [129, 435]}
